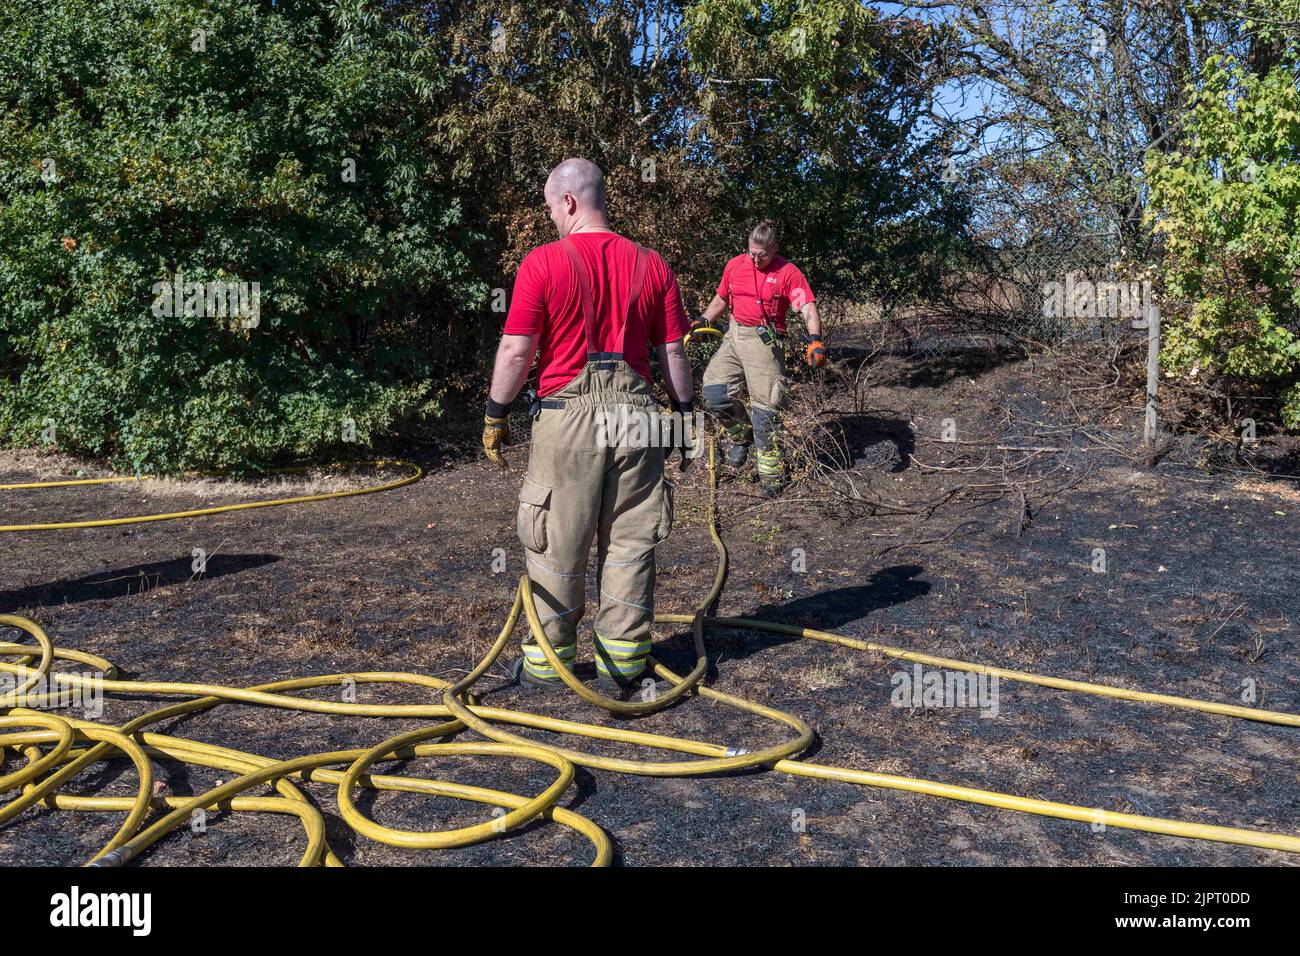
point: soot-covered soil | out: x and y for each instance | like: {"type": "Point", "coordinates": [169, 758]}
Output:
{"type": "Point", "coordinates": [963, 549]}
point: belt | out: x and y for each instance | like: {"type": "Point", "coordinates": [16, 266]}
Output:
{"type": "Point", "coordinates": [601, 360]}
{"type": "Point", "coordinates": [536, 405]}
{"type": "Point", "coordinates": [604, 360]}
{"type": "Point", "coordinates": [541, 403]}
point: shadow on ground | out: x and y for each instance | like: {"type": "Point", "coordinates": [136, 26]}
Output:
{"type": "Point", "coordinates": [823, 611]}
{"type": "Point", "coordinates": [120, 582]}
{"type": "Point", "coordinates": [937, 370]}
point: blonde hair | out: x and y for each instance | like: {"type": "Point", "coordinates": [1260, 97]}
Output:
{"type": "Point", "coordinates": [764, 234]}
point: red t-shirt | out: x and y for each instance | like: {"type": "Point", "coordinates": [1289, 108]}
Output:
{"type": "Point", "coordinates": [546, 302]}
{"type": "Point", "coordinates": [780, 286]}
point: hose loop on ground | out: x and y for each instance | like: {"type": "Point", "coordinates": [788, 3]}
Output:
{"type": "Point", "coordinates": [53, 751]}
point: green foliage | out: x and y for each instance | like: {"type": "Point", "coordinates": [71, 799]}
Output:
{"type": "Point", "coordinates": [1228, 207]}
{"type": "Point", "coordinates": [221, 164]}
{"type": "Point", "coordinates": [706, 117]}
{"type": "Point", "coordinates": [602, 79]}
{"type": "Point", "coordinates": [224, 165]}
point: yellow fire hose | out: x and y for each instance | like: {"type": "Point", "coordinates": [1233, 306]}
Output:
{"type": "Point", "coordinates": [694, 334]}
{"type": "Point", "coordinates": [58, 748]}
{"type": "Point", "coordinates": [415, 474]}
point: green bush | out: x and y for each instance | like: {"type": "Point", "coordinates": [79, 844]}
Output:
{"type": "Point", "coordinates": [1228, 207]}
{"type": "Point", "coordinates": [134, 148]}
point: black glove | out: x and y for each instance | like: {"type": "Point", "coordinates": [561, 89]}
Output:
{"type": "Point", "coordinates": [680, 433]}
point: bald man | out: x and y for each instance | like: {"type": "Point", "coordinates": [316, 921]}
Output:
{"type": "Point", "coordinates": [591, 306]}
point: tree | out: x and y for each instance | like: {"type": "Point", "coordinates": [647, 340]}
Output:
{"type": "Point", "coordinates": [1066, 99]}
{"type": "Point", "coordinates": [147, 143]}
{"type": "Point", "coordinates": [707, 116]}
{"type": "Point", "coordinates": [816, 113]}
{"type": "Point", "coordinates": [1228, 206]}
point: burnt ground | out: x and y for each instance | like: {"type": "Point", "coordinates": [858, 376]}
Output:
{"type": "Point", "coordinates": [960, 549]}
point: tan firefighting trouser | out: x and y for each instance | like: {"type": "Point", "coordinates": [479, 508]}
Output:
{"type": "Point", "coordinates": [582, 486]}
{"type": "Point", "coordinates": [744, 363]}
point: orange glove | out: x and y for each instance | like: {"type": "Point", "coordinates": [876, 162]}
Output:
{"type": "Point", "coordinates": [816, 353]}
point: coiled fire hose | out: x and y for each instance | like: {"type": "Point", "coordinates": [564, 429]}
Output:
{"type": "Point", "coordinates": [56, 749]}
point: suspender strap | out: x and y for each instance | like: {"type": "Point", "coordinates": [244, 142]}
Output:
{"type": "Point", "coordinates": [638, 284]}
{"type": "Point", "coordinates": [584, 290]}
{"type": "Point", "coordinates": [589, 309]}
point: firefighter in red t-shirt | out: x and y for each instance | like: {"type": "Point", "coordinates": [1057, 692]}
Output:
{"type": "Point", "coordinates": [760, 287]}
{"type": "Point", "coordinates": [593, 304]}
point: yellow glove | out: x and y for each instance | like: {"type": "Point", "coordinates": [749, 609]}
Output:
{"type": "Point", "coordinates": [496, 431]}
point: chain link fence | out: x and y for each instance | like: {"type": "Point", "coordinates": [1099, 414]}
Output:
{"type": "Point", "coordinates": [1039, 296]}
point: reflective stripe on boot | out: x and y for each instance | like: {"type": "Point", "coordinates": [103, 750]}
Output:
{"type": "Point", "coordinates": [771, 473]}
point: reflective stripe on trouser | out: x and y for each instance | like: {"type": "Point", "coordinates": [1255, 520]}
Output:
{"type": "Point", "coordinates": [621, 659]}
{"type": "Point", "coordinates": [744, 363]}
{"type": "Point", "coordinates": [535, 661]}
{"type": "Point", "coordinates": [767, 429]}
{"type": "Point", "coordinates": [769, 463]}
{"type": "Point", "coordinates": [588, 480]}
